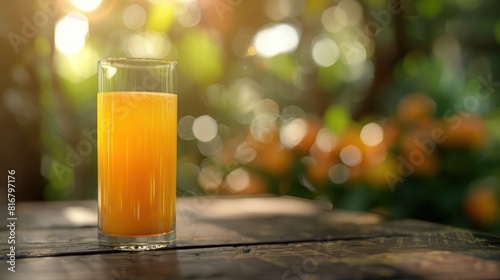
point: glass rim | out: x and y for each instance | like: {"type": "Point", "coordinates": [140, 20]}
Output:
{"type": "Point", "coordinates": [137, 59]}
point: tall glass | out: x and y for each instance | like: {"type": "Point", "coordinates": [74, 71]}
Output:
{"type": "Point", "coordinates": [137, 152]}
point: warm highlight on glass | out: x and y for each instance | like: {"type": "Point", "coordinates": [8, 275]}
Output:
{"type": "Point", "coordinates": [137, 153]}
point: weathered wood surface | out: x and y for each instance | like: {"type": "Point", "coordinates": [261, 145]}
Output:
{"type": "Point", "coordinates": [251, 238]}
{"type": "Point", "coordinates": [69, 227]}
{"type": "Point", "coordinates": [382, 257]}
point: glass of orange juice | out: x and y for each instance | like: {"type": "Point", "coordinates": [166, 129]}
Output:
{"type": "Point", "coordinates": [137, 152]}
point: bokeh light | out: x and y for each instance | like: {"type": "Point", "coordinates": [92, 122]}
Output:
{"type": "Point", "coordinates": [210, 178]}
{"type": "Point", "coordinates": [292, 112]}
{"type": "Point", "coordinates": [71, 33]}
{"type": "Point", "coordinates": [351, 155]}
{"type": "Point", "coordinates": [276, 39]}
{"type": "Point", "coordinates": [211, 148]}
{"type": "Point", "coordinates": [293, 132]}
{"type": "Point", "coordinates": [245, 153]}
{"type": "Point", "coordinates": [204, 128]}
{"type": "Point", "coordinates": [262, 129]}
{"type": "Point", "coordinates": [339, 173]}
{"type": "Point", "coordinates": [325, 51]}
{"type": "Point", "coordinates": [354, 53]}
{"type": "Point", "coordinates": [329, 20]}
{"type": "Point", "coordinates": [349, 13]}
{"type": "Point", "coordinates": [189, 15]}
{"type": "Point", "coordinates": [280, 9]}
{"type": "Point", "coordinates": [185, 128]}
{"type": "Point", "coordinates": [147, 44]}
{"type": "Point", "coordinates": [325, 141]}
{"type": "Point", "coordinates": [238, 180]}
{"type": "Point", "coordinates": [18, 103]}
{"type": "Point", "coordinates": [75, 68]}
{"type": "Point", "coordinates": [86, 5]}
{"type": "Point", "coordinates": [372, 134]}
{"type": "Point", "coordinates": [267, 108]}
{"type": "Point", "coordinates": [242, 96]}
{"type": "Point", "coordinates": [134, 16]}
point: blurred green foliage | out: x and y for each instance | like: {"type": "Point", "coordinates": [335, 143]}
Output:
{"type": "Point", "coordinates": [292, 86]}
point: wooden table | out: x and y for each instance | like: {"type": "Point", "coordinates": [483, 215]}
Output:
{"type": "Point", "coordinates": [250, 238]}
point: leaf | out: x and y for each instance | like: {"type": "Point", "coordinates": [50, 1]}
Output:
{"type": "Point", "coordinates": [200, 57]}
{"type": "Point", "coordinates": [337, 118]}
{"type": "Point", "coordinates": [161, 16]}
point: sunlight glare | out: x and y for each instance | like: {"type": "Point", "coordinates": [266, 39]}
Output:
{"type": "Point", "coordinates": [86, 5]}
{"type": "Point", "coordinates": [71, 33]}
{"type": "Point", "coordinates": [276, 39]}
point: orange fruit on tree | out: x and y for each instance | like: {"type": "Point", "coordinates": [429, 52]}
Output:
{"type": "Point", "coordinates": [376, 174]}
{"type": "Point", "coordinates": [419, 151]}
{"type": "Point", "coordinates": [271, 156]}
{"type": "Point", "coordinates": [465, 130]}
{"type": "Point", "coordinates": [482, 205]}
{"type": "Point", "coordinates": [415, 106]}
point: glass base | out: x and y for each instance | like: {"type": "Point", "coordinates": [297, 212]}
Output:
{"type": "Point", "coordinates": [137, 243]}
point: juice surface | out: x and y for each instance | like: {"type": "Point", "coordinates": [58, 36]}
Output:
{"type": "Point", "coordinates": [137, 144]}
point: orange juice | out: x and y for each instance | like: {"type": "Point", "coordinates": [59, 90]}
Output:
{"type": "Point", "coordinates": [137, 144]}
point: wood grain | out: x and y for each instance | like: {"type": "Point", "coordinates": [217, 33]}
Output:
{"type": "Point", "coordinates": [252, 238]}
{"type": "Point", "coordinates": [385, 258]}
